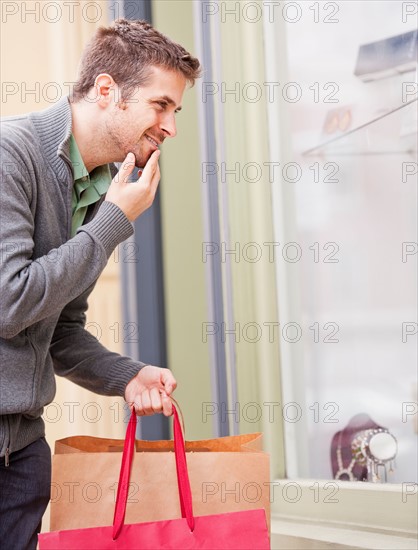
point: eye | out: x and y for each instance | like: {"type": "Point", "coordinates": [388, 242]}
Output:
{"type": "Point", "coordinates": [162, 104]}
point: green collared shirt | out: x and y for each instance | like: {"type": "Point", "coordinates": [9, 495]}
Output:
{"type": "Point", "coordinates": [88, 188]}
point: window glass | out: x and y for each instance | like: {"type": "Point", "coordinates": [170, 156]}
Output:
{"type": "Point", "coordinates": [349, 335]}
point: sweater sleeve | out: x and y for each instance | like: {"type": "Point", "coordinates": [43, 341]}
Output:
{"type": "Point", "coordinates": [33, 289]}
{"type": "Point", "coordinates": [80, 357]}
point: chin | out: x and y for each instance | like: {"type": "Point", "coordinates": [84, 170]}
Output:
{"type": "Point", "coordinates": [143, 160]}
{"type": "Point", "coordinates": [139, 162]}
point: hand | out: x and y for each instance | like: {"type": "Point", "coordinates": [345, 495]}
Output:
{"type": "Point", "coordinates": [134, 197]}
{"type": "Point", "coordinates": [149, 391]}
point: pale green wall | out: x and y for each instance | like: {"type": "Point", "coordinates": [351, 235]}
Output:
{"type": "Point", "coordinates": [251, 221]}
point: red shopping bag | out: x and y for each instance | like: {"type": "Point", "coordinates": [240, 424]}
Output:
{"type": "Point", "coordinates": [235, 530]}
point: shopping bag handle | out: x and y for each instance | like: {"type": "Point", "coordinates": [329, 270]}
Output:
{"type": "Point", "coordinates": [183, 482]}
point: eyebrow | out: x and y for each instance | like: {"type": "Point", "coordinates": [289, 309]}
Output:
{"type": "Point", "coordinates": [169, 101]}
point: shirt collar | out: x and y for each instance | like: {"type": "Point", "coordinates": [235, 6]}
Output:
{"type": "Point", "coordinates": [80, 171]}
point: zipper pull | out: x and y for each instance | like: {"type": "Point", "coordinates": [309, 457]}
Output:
{"type": "Point", "coordinates": [6, 457]}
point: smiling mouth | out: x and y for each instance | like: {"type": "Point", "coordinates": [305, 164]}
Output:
{"type": "Point", "coordinates": [155, 143]}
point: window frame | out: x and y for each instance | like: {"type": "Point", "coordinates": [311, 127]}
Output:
{"type": "Point", "coordinates": [382, 509]}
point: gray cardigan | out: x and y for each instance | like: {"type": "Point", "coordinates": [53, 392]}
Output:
{"type": "Point", "coordinates": [46, 277]}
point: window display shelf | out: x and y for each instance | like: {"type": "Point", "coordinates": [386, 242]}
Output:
{"type": "Point", "coordinates": [377, 136]}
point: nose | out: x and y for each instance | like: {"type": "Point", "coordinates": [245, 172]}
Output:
{"type": "Point", "coordinates": [168, 125]}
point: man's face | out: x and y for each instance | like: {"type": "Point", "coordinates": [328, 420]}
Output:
{"type": "Point", "coordinates": [147, 117]}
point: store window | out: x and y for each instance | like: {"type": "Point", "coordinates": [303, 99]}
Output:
{"type": "Point", "coordinates": [346, 224]}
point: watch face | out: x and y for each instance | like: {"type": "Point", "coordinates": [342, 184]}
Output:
{"type": "Point", "coordinates": [382, 446]}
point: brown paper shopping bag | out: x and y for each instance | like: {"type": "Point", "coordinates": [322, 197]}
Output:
{"type": "Point", "coordinates": [235, 530]}
{"type": "Point", "coordinates": [227, 474]}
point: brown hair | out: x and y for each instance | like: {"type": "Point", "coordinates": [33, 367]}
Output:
{"type": "Point", "coordinates": [127, 50]}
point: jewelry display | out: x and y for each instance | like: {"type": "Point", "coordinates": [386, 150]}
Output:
{"type": "Point", "coordinates": [361, 450]}
{"type": "Point", "coordinates": [377, 448]}
{"type": "Point", "coordinates": [342, 471]}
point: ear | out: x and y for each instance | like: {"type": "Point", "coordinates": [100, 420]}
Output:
{"type": "Point", "coordinates": [105, 90]}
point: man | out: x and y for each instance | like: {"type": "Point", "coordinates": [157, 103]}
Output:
{"type": "Point", "coordinates": [62, 216]}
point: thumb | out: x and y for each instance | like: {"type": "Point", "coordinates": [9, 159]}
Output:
{"type": "Point", "coordinates": [126, 169]}
{"type": "Point", "coordinates": [168, 381]}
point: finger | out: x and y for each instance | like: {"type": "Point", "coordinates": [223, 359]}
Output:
{"type": "Point", "coordinates": [156, 402]}
{"type": "Point", "coordinates": [168, 381]}
{"type": "Point", "coordinates": [137, 404]}
{"type": "Point", "coordinates": [146, 403]}
{"type": "Point", "coordinates": [126, 168]}
{"type": "Point", "coordinates": [167, 404]}
{"type": "Point", "coordinates": [151, 165]}
{"type": "Point", "coordinates": [155, 180]}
